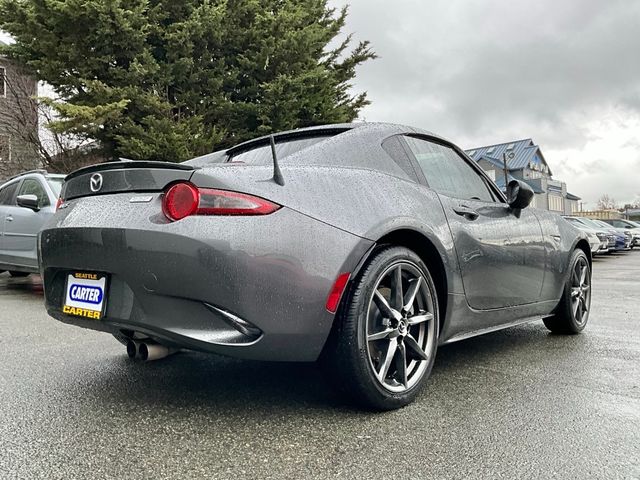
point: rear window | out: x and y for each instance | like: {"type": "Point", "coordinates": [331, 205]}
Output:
{"type": "Point", "coordinates": [56, 184]}
{"type": "Point", "coordinates": [261, 154]}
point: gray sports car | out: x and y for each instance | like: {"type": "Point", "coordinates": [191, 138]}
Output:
{"type": "Point", "coordinates": [364, 246]}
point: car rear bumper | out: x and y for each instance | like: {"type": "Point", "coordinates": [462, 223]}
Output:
{"type": "Point", "coordinates": [246, 287]}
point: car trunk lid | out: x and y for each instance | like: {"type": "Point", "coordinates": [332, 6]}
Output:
{"type": "Point", "coordinates": [125, 176]}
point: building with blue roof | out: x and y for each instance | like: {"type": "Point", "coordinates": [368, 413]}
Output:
{"type": "Point", "coordinates": [526, 162]}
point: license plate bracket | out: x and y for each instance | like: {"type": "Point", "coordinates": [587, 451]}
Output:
{"type": "Point", "coordinates": [85, 295]}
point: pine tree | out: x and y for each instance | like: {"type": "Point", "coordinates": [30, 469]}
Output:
{"type": "Point", "coordinates": [168, 80]}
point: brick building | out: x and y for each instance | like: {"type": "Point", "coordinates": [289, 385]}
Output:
{"type": "Point", "coordinates": [18, 120]}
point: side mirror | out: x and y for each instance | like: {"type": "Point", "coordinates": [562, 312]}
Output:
{"type": "Point", "coordinates": [519, 194]}
{"type": "Point", "coordinates": [28, 201]}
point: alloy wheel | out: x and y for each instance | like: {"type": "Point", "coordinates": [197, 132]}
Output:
{"type": "Point", "coordinates": [400, 327]}
{"type": "Point", "coordinates": [580, 291]}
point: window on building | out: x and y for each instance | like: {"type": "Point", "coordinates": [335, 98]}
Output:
{"type": "Point", "coordinates": [3, 82]}
{"type": "Point", "coordinates": [447, 172]}
{"type": "Point", "coordinates": [5, 148]}
{"type": "Point", "coordinates": [511, 146]}
{"type": "Point", "coordinates": [491, 150]}
{"type": "Point", "coordinates": [555, 203]}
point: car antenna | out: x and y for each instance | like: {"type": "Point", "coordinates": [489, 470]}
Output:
{"type": "Point", "coordinates": [277, 174]}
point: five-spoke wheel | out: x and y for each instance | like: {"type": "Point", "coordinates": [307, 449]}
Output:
{"type": "Point", "coordinates": [384, 344]}
{"type": "Point", "coordinates": [400, 326]}
{"type": "Point", "coordinates": [572, 313]}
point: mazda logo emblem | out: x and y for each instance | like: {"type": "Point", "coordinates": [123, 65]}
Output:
{"type": "Point", "coordinates": [95, 183]}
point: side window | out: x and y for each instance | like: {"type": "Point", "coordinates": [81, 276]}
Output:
{"type": "Point", "coordinates": [31, 186]}
{"type": "Point", "coordinates": [447, 172]}
{"type": "Point", "coordinates": [6, 194]}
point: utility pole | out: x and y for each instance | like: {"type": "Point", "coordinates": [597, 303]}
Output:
{"type": "Point", "coordinates": [506, 156]}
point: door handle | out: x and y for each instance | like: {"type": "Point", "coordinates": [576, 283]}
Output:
{"type": "Point", "coordinates": [466, 212]}
{"type": "Point", "coordinates": [9, 218]}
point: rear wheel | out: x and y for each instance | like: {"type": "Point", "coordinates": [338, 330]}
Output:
{"type": "Point", "coordinates": [384, 346]}
{"type": "Point", "coordinates": [572, 313]}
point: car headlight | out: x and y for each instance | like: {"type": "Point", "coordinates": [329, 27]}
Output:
{"type": "Point", "coordinates": [601, 236]}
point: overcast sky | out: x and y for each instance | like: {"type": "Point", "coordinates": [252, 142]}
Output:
{"type": "Point", "coordinates": [565, 73]}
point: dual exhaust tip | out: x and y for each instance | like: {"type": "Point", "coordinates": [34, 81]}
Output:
{"type": "Point", "coordinates": [148, 351]}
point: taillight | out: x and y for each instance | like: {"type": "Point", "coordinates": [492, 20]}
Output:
{"type": "Point", "coordinates": [180, 201]}
{"type": "Point", "coordinates": [184, 199]}
{"type": "Point", "coordinates": [58, 203]}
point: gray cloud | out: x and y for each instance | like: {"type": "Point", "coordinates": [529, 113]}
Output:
{"type": "Point", "coordinates": [484, 72]}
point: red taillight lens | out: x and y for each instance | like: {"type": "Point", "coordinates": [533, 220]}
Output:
{"type": "Point", "coordinates": [184, 199]}
{"type": "Point", "coordinates": [180, 201]}
{"type": "Point", "coordinates": [333, 300]}
{"type": "Point", "coordinates": [223, 202]}
{"type": "Point", "coordinates": [58, 203]}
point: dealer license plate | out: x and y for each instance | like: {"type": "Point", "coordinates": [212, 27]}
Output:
{"type": "Point", "coordinates": [85, 295]}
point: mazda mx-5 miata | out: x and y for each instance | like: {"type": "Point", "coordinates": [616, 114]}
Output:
{"type": "Point", "coordinates": [362, 245]}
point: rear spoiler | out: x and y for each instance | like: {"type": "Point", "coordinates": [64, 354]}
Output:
{"type": "Point", "coordinates": [123, 176]}
{"type": "Point", "coordinates": [128, 164]}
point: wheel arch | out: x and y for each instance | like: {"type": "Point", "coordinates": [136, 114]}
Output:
{"type": "Point", "coordinates": [583, 245]}
{"type": "Point", "coordinates": [428, 252]}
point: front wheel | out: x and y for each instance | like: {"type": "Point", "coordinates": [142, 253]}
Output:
{"type": "Point", "coordinates": [572, 313]}
{"type": "Point", "coordinates": [384, 346]}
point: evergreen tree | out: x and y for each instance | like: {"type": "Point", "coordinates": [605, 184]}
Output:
{"type": "Point", "coordinates": [169, 80]}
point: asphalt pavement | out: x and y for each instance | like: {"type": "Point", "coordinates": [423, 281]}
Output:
{"type": "Point", "coordinates": [520, 403]}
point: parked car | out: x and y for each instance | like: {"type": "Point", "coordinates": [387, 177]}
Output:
{"type": "Point", "coordinates": [599, 240]}
{"type": "Point", "coordinates": [626, 225]}
{"type": "Point", "coordinates": [27, 201]}
{"type": "Point", "coordinates": [362, 245]}
{"type": "Point", "coordinates": [616, 239]}
{"type": "Point", "coordinates": [624, 236]}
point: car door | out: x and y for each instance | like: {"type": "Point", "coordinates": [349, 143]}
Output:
{"type": "Point", "coordinates": [500, 252]}
{"type": "Point", "coordinates": [7, 196]}
{"type": "Point", "coordinates": [23, 224]}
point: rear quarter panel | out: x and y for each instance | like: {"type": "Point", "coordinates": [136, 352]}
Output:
{"type": "Point", "coordinates": [363, 202]}
{"type": "Point", "coordinates": [560, 239]}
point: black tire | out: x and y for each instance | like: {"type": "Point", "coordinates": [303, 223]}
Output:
{"type": "Point", "coordinates": [16, 274]}
{"type": "Point", "coordinates": [408, 349]}
{"type": "Point", "coordinates": [572, 314]}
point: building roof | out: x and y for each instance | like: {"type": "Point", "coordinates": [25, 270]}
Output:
{"type": "Point", "coordinates": [571, 196]}
{"type": "Point", "coordinates": [525, 152]}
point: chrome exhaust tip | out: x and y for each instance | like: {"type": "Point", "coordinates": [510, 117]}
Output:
{"type": "Point", "coordinates": [132, 349]}
{"type": "Point", "coordinates": [148, 351]}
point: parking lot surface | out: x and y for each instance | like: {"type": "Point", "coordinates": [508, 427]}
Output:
{"type": "Point", "coordinates": [520, 403]}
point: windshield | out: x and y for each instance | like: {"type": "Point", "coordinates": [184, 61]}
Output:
{"type": "Point", "coordinates": [577, 222]}
{"type": "Point", "coordinates": [602, 224]}
{"type": "Point", "coordinates": [592, 223]}
{"type": "Point", "coordinates": [56, 184]}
